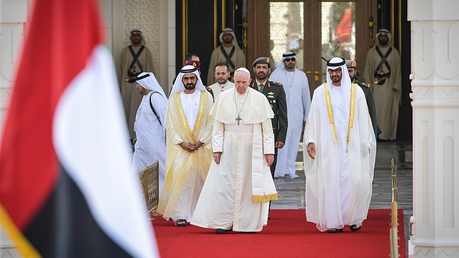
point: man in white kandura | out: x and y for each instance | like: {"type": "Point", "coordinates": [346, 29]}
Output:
{"type": "Point", "coordinates": [339, 153]}
{"type": "Point", "coordinates": [149, 126]}
{"type": "Point", "coordinates": [189, 152]}
{"type": "Point", "coordinates": [239, 185]}
{"type": "Point", "coordinates": [296, 87]}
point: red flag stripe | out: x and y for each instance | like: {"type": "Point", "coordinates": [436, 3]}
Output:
{"type": "Point", "coordinates": [61, 37]}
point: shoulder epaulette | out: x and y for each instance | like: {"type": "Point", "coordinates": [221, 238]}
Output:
{"type": "Point", "coordinates": [274, 83]}
{"type": "Point", "coordinates": [362, 84]}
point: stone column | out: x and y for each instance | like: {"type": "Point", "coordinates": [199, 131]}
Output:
{"type": "Point", "coordinates": [435, 94]}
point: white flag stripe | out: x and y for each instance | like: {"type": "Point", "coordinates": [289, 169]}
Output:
{"type": "Point", "coordinates": [91, 142]}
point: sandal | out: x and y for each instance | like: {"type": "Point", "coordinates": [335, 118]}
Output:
{"type": "Point", "coordinates": [334, 230]}
{"type": "Point", "coordinates": [181, 223]}
{"type": "Point", "coordinates": [355, 228]}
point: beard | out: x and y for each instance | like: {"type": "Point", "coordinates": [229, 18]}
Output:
{"type": "Point", "coordinates": [190, 86]}
{"type": "Point", "coordinates": [336, 78]}
{"type": "Point", "coordinates": [222, 80]}
{"type": "Point", "coordinates": [262, 75]}
{"type": "Point", "coordinates": [290, 66]}
{"type": "Point", "coordinates": [228, 39]}
{"type": "Point", "coordinates": [383, 42]}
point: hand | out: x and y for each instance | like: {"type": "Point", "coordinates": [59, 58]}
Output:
{"type": "Point", "coordinates": [394, 89]}
{"type": "Point", "coordinates": [312, 150]}
{"type": "Point", "coordinates": [269, 159]}
{"type": "Point", "coordinates": [217, 156]}
{"type": "Point", "coordinates": [198, 144]}
{"type": "Point", "coordinates": [279, 145]}
{"type": "Point", "coordinates": [188, 147]}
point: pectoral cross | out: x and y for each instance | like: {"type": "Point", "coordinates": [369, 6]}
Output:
{"type": "Point", "coordinates": [238, 118]}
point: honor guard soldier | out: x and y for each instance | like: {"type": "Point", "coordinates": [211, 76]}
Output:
{"type": "Point", "coordinates": [354, 74]}
{"type": "Point", "coordinates": [275, 94]}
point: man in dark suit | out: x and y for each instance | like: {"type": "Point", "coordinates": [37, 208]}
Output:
{"type": "Point", "coordinates": [276, 98]}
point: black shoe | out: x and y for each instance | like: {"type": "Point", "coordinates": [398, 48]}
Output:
{"type": "Point", "coordinates": [335, 230]}
{"type": "Point", "coordinates": [355, 228]}
{"type": "Point", "coordinates": [248, 232]}
{"type": "Point", "coordinates": [181, 223]}
{"type": "Point", "coordinates": [222, 231]}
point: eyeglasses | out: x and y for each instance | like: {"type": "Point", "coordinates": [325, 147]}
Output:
{"type": "Point", "coordinates": [289, 59]}
{"type": "Point", "coordinates": [337, 71]}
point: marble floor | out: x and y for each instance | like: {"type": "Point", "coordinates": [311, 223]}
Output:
{"type": "Point", "coordinates": [292, 190]}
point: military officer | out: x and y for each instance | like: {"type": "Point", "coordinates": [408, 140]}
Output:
{"type": "Point", "coordinates": [276, 98]}
{"type": "Point", "coordinates": [354, 74]}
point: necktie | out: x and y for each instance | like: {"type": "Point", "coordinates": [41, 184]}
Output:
{"type": "Point", "coordinates": [261, 87]}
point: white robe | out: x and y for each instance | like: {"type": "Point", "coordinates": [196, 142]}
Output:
{"type": "Point", "coordinates": [339, 180]}
{"type": "Point", "coordinates": [296, 89]}
{"type": "Point", "coordinates": [151, 141]}
{"type": "Point", "coordinates": [130, 96]}
{"type": "Point", "coordinates": [217, 88]}
{"type": "Point", "coordinates": [226, 198]}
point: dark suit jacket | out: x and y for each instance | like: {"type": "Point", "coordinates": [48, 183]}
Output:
{"type": "Point", "coordinates": [276, 98]}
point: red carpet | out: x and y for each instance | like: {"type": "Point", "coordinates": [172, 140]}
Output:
{"type": "Point", "coordinates": [286, 235]}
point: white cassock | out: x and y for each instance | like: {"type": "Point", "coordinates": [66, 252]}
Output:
{"type": "Point", "coordinates": [339, 180]}
{"type": "Point", "coordinates": [237, 191]}
{"type": "Point", "coordinates": [151, 141]}
{"type": "Point", "coordinates": [218, 88]}
{"type": "Point", "coordinates": [296, 89]}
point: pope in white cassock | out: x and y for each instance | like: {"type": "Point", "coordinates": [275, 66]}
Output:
{"type": "Point", "coordinates": [239, 185]}
{"type": "Point", "coordinates": [339, 153]}
{"type": "Point", "coordinates": [149, 126]}
{"type": "Point", "coordinates": [296, 87]}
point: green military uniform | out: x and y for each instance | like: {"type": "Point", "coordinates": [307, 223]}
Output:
{"type": "Point", "coordinates": [368, 95]}
{"type": "Point", "coordinates": [278, 101]}
{"type": "Point", "coordinates": [276, 98]}
{"type": "Point", "coordinates": [370, 103]}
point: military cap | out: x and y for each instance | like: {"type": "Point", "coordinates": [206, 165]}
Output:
{"type": "Point", "coordinates": [351, 64]}
{"type": "Point", "coordinates": [193, 63]}
{"type": "Point", "coordinates": [262, 60]}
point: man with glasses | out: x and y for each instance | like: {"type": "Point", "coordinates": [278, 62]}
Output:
{"type": "Point", "coordinates": [339, 153]}
{"type": "Point", "coordinates": [296, 87]}
{"type": "Point", "coordinates": [188, 148]}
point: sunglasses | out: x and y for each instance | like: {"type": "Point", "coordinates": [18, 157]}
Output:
{"type": "Point", "coordinates": [289, 59]}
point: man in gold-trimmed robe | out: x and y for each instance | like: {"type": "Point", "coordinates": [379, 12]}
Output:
{"type": "Point", "coordinates": [239, 186]}
{"type": "Point", "coordinates": [339, 153]}
{"type": "Point", "coordinates": [189, 152]}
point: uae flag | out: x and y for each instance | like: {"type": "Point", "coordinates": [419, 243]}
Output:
{"type": "Point", "coordinates": [344, 29]}
{"type": "Point", "coordinates": [65, 184]}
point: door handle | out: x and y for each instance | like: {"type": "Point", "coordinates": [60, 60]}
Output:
{"type": "Point", "coordinates": [308, 73]}
{"type": "Point", "coordinates": [316, 75]}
